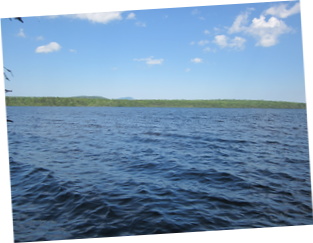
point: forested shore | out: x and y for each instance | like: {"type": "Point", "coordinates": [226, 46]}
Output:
{"type": "Point", "coordinates": [73, 101]}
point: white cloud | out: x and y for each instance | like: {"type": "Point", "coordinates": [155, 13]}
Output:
{"type": "Point", "coordinates": [207, 49]}
{"type": "Point", "coordinates": [187, 70]}
{"type": "Point", "coordinates": [141, 24]}
{"type": "Point", "coordinates": [40, 38]}
{"type": "Point", "coordinates": [206, 32]}
{"type": "Point", "coordinates": [195, 11]}
{"type": "Point", "coordinates": [281, 10]}
{"type": "Point", "coordinates": [200, 43]}
{"type": "Point", "coordinates": [51, 47]}
{"type": "Point", "coordinates": [21, 33]}
{"type": "Point", "coordinates": [219, 30]}
{"type": "Point", "coordinates": [221, 40]}
{"type": "Point", "coordinates": [131, 16]}
{"type": "Point", "coordinates": [102, 18]}
{"type": "Point", "coordinates": [239, 23]}
{"type": "Point", "coordinates": [238, 42]}
{"type": "Point", "coordinates": [197, 60]}
{"type": "Point", "coordinates": [72, 50]}
{"type": "Point", "coordinates": [267, 32]}
{"type": "Point", "coordinates": [150, 60]}
{"type": "Point", "coordinates": [224, 41]}
{"type": "Point", "coordinates": [203, 42]}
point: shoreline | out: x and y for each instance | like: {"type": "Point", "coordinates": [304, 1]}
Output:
{"type": "Point", "coordinates": [103, 102]}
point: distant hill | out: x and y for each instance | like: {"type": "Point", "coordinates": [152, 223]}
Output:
{"type": "Point", "coordinates": [126, 98]}
{"type": "Point", "coordinates": [89, 97]}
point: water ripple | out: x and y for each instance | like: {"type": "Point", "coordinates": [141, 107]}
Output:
{"type": "Point", "coordinates": [102, 172]}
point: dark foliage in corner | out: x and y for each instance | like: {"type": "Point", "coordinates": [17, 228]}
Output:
{"type": "Point", "coordinates": [6, 70]}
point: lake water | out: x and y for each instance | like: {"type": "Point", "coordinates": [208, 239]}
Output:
{"type": "Point", "coordinates": [86, 172]}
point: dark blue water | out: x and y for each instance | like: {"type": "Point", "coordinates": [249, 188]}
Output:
{"type": "Point", "coordinates": [101, 172]}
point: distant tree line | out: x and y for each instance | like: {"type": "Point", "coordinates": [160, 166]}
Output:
{"type": "Point", "coordinates": [74, 101]}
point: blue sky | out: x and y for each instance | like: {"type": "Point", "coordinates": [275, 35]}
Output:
{"type": "Point", "coordinates": [240, 51]}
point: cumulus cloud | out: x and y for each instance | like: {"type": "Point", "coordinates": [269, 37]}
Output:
{"type": "Point", "coordinates": [102, 18]}
{"type": "Point", "coordinates": [197, 60]}
{"type": "Point", "coordinates": [265, 29]}
{"type": "Point", "coordinates": [51, 47]}
{"type": "Point", "coordinates": [150, 60]}
{"type": "Point", "coordinates": [131, 16]}
{"type": "Point", "coordinates": [281, 10]}
{"type": "Point", "coordinates": [21, 33]}
{"type": "Point", "coordinates": [267, 32]}
{"type": "Point", "coordinates": [224, 41]}
{"type": "Point", "coordinates": [221, 40]}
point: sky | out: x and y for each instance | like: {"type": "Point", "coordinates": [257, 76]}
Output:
{"type": "Point", "coordinates": [239, 51]}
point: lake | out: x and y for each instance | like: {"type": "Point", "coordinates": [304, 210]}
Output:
{"type": "Point", "coordinates": [87, 172]}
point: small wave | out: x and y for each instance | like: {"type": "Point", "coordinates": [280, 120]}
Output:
{"type": "Point", "coordinates": [145, 171]}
